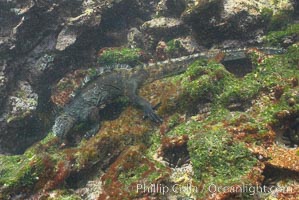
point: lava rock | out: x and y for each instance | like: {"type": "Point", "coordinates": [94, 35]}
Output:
{"type": "Point", "coordinates": [41, 41]}
{"type": "Point", "coordinates": [218, 20]}
{"type": "Point", "coordinates": [171, 8]}
{"type": "Point", "coordinates": [20, 116]}
{"type": "Point", "coordinates": [162, 28]}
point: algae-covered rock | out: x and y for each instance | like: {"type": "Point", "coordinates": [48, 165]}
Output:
{"type": "Point", "coordinates": [74, 26]}
{"type": "Point", "coordinates": [215, 152]}
{"type": "Point", "coordinates": [221, 20]}
{"type": "Point", "coordinates": [135, 38]}
{"type": "Point", "coordinates": [182, 46]}
{"type": "Point", "coordinates": [23, 103]}
{"type": "Point", "coordinates": [110, 56]}
{"type": "Point", "coordinates": [130, 172]}
{"type": "Point", "coordinates": [162, 28]}
{"type": "Point", "coordinates": [285, 37]}
{"type": "Point", "coordinates": [162, 25]}
{"type": "Point", "coordinates": [170, 7]}
{"type": "Point", "coordinates": [20, 114]}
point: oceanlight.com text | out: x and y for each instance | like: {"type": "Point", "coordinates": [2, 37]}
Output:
{"type": "Point", "coordinates": [212, 188]}
{"type": "Point", "coordinates": [250, 189]}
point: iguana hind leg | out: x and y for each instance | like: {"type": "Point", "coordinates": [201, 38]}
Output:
{"type": "Point", "coordinates": [93, 131]}
{"type": "Point", "coordinates": [94, 119]}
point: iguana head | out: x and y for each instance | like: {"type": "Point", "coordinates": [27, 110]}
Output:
{"type": "Point", "coordinates": [63, 125]}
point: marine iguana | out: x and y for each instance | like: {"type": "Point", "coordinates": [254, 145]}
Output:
{"type": "Point", "coordinates": [125, 81]}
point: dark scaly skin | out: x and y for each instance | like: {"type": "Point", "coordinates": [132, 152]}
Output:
{"type": "Point", "coordinates": [97, 93]}
{"type": "Point", "coordinates": [126, 82]}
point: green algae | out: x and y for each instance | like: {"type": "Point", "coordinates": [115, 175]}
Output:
{"type": "Point", "coordinates": [202, 82]}
{"type": "Point", "coordinates": [173, 48]}
{"type": "Point", "coordinates": [34, 170]}
{"type": "Point", "coordinates": [174, 120]}
{"type": "Point", "coordinates": [9, 166]}
{"type": "Point", "coordinates": [148, 171]}
{"type": "Point", "coordinates": [154, 141]}
{"type": "Point", "coordinates": [217, 159]}
{"type": "Point", "coordinates": [213, 140]}
{"type": "Point", "coordinates": [18, 172]}
{"type": "Point", "coordinates": [275, 38]}
{"type": "Point", "coordinates": [292, 56]}
{"type": "Point", "coordinates": [120, 55]}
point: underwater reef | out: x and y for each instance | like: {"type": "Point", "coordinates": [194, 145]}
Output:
{"type": "Point", "coordinates": [230, 128]}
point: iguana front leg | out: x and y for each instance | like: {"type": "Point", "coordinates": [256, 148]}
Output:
{"type": "Point", "coordinates": [94, 119]}
{"type": "Point", "coordinates": [141, 103]}
{"type": "Point", "coordinates": [92, 131]}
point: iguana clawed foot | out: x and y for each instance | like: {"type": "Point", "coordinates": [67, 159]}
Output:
{"type": "Point", "coordinates": [93, 131]}
{"type": "Point", "coordinates": [150, 113]}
